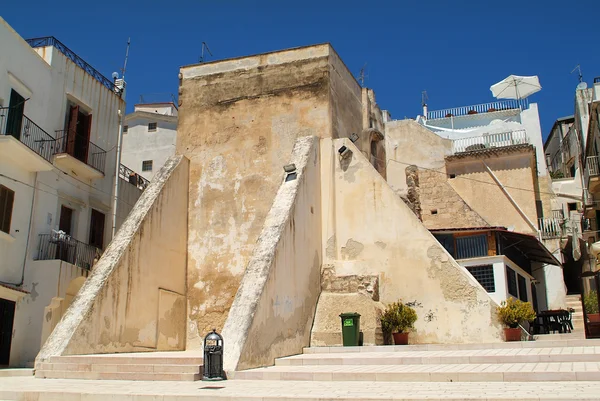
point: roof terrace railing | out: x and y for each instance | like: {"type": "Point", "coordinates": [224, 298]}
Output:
{"type": "Point", "coordinates": [490, 107]}
{"type": "Point", "coordinates": [501, 139]}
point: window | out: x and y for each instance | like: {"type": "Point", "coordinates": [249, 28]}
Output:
{"type": "Point", "coordinates": [472, 246]}
{"type": "Point", "coordinates": [522, 288]}
{"type": "Point", "coordinates": [147, 165]}
{"type": "Point", "coordinates": [572, 206]}
{"type": "Point", "coordinates": [66, 220]}
{"type": "Point", "coordinates": [125, 128]}
{"type": "Point", "coordinates": [7, 198]}
{"type": "Point", "coordinates": [151, 127]}
{"type": "Point", "coordinates": [433, 211]}
{"type": "Point", "coordinates": [447, 241]}
{"type": "Point", "coordinates": [75, 141]}
{"type": "Point", "coordinates": [485, 275]}
{"type": "Point", "coordinates": [511, 279]}
{"type": "Point", "coordinates": [97, 229]}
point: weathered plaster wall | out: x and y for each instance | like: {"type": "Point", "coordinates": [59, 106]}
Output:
{"type": "Point", "coordinates": [273, 310]}
{"type": "Point", "coordinates": [238, 122]}
{"type": "Point", "coordinates": [409, 143]}
{"type": "Point", "coordinates": [128, 196]}
{"type": "Point", "coordinates": [476, 186]}
{"type": "Point", "coordinates": [369, 230]}
{"type": "Point", "coordinates": [134, 300]}
{"type": "Point", "coordinates": [441, 206]}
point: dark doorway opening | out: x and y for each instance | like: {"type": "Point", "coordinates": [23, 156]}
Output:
{"type": "Point", "coordinates": [7, 316]}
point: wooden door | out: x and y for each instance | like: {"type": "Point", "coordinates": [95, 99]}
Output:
{"type": "Point", "coordinates": [66, 219]}
{"type": "Point", "coordinates": [97, 229]}
{"type": "Point", "coordinates": [7, 315]}
{"type": "Point", "coordinates": [14, 121]}
{"type": "Point", "coordinates": [71, 136]}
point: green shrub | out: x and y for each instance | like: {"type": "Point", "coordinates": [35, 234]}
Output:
{"type": "Point", "coordinates": [590, 302]}
{"type": "Point", "coordinates": [398, 318]}
{"type": "Point", "coordinates": [514, 311]}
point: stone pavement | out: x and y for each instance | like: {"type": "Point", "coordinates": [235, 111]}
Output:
{"type": "Point", "coordinates": [31, 389]}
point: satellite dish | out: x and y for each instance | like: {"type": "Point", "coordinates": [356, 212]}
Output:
{"type": "Point", "coordinates": [582, 85]}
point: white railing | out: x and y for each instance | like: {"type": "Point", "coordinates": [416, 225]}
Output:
{"type": "Point", "coordinates": [478, 108]}
{"type": "Point", "coordinates": [592, 166]}
{"type": "Point", "coordinates": [551, 227]}
{"type": "Point", "coordinates": [485, 141]}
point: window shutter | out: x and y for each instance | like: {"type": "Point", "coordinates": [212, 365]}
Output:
{"type": "Point", "coordinates": [7, 198]}
{"type": "Point", "coordinates": [72, 129]}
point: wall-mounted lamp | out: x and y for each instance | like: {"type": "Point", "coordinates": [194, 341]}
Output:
{"type": "Point", "coordinates": [290, 170]}
{"type": "Point", "coordinates": [354, 137]}
{"type": "Point", "coordinates": [344, 152]}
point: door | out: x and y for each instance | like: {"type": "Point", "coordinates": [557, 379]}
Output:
{"type": "Point", "coordinates": [97, 229]}
{"type": "Point", "coordinates": [66, 219]}
{"type": "Point", "coordinates": [65, 250]}
{"type": "Point", "coordinates": [16, 106]}
{"type": "Point", "coordinates": [7, 315]}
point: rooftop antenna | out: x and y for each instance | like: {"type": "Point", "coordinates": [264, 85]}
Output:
{"type": "Point", "coordinates": [424, 99]}
{"type": "Point", "coordinates": [120, 82]}
{"type": "Point", "coordinates": [204, 47]}
{"type": "Point", "coordinates": [126, 57]}
{"type": "Point", "coordinates": [578, 68]}
{"type": "Point", "coordinates": [362, 76]}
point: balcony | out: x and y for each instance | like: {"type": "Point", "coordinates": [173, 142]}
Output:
{"type": "Point", "coordinates": [490, 107]}
{"type": "Point", "coordinates": [24, 143]}
{"type": "Point", "coordinates": [132, 177]}
{"type": "Point", "coordinates": [77, 154]}
{"type": "Point", "coordinates": [60, 246]}
{"type": "Point", "coordinates": [592, 166]}
{"type": "Point", "coordinates": [502, 139]}
{"type": "Point", "coordinates": [552, 227]}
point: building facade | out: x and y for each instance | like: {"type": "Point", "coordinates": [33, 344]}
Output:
{"type": "Point", "coordinates": [59, 133]}
{"type": "Point", "coordinates": [149, 137]}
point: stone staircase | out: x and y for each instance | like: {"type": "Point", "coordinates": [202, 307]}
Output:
{"type": "Point", "coordinates": [150, 366]}
{"type": "Point", "coordinates": [574, 302]}
{"type": "Point", "coordinates": [536, 361]}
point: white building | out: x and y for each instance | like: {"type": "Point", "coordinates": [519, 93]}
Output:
{"type": "Point", "coordinates": [59, 131]}
{"type": "Point", "coordinates": [149, 136]}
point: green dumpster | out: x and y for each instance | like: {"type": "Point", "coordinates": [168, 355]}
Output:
{"type": "Point", "coordinates": [350, 329]}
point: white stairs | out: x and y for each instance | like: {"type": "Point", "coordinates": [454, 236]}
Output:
{"type": "Point", "coordinates": [574, 302]}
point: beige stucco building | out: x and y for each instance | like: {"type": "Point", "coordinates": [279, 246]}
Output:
{"type": "Point", "coordinates": [224, 237]}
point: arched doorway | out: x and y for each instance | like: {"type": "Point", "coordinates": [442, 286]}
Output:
{"type": "Point", "coordinates": [377, 155]}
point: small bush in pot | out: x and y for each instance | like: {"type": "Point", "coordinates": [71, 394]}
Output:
{"type": "Point", "coordinates": [398, 319]}
{"type": "Point", "coordinates": [590, 303]}
{"type": "Point", "coordinates": [511, 313]}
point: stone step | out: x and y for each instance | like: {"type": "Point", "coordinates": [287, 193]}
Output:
{"type": "Point", "coordinates": [16, 372]}
{"type": "Point", "coordinates": [136, 376]}
{"type": "Point", "coordinates": [509, 372]}
{"type": "Point", "coordinates": [130, 359]}
{"type": "Point", "coordinates": [80, 390]}
{"type": "Point", "coordinates": [498, 356]}
{"type": "Point", "coordinates": [565, 340]}
{"type": "Point", "coordinates": [114, 368]}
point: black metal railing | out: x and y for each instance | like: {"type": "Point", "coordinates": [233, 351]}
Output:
{"type": "Point", "coordinates": [80, 148]}
{"type": "Point", "coordinates": [29, 133]}
{"type": "Point", "coordinates": [70, 54]}
{"type": "Point", "coordinates": [59, 246]}
{"type": "Point", "coordinates": [132, 177]}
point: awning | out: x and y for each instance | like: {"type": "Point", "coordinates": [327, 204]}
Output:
{"type": "Point", "coordinates": [528, 245]}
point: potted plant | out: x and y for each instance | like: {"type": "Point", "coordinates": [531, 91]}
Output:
{"type": "Point", "coordinates": [511, 313]}
{"type": "Point", "coordinates": [590, 303]}
{"type": "Point", "coordinates": [398, 319]}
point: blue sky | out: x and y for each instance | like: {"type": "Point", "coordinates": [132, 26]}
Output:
{"type": "Point", "coordinates": [453, 49]}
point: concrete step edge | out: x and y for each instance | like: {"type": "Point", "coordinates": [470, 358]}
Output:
{"type": "Point", "coordinates": [134, 376]}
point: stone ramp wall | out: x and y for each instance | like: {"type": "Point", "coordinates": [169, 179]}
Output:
{"type": "Point", "coordinates": [368, 230]}
{"type": "Point", "coordinates": [272, 313]}
{"type": "Point", "coordinates": [135, 297]}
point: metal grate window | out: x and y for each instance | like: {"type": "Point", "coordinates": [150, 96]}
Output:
{"type": "Point", "coordinates": [147, 165]}
{"type": "Point", "coordinates": [473, 246]}
{"type": "Point", "coordinates": [125, 128]}
{"type": "Point", "coordinates": [511, 279]}
{"type": "Point", "coordinates": [151, 126]}
{"type": "Point", "coordinates": [485, 275]}
{"type": "Point", "coordinates": [522, 288]}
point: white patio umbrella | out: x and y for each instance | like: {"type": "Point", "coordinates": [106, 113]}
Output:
{"type": "Point", "coordinates": [516, 87]}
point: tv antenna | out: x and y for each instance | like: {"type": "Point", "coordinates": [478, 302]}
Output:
{"type": "Point", "coordinates": [204, 47]}
{"type": "Point", "coordinates": [578, 68]}
{"type": "Point", "coordinates": [362, 75]}
{"type": "Point", "coordinates": [424, 98]}
{"type": "Point", "coordinates": [126, 57]}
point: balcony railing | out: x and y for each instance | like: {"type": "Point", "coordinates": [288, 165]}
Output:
{"type": "Point", "coordinates": [60, 246]}
{"type": "Point", "coordinates": [486, 141]}
{"type": "Point", "coordinates": [478, 109]}
{"type": "Point", "coordinates": [80, 148]}
{"type": "Point", "coordinates": [132, 177]}
{"type": "Point", "coordinates": [593, 168]}
{"type": "Point", "coordinates": [28, 133]}
{"type": "Point", "coordinates": [551, 227]}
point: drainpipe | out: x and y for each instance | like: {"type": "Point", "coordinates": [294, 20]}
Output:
{"type": "Point", "coordinates": [28, 236]}
{"type": "Point", "coordinates": [117, 165]}
{"type": "Point", "coordinates": [510, 198]}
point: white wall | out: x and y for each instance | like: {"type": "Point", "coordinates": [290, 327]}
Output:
{"type": "Point", "coordinates": [140, 145]}
{"type": "Point", "coordinates": [165, 109]}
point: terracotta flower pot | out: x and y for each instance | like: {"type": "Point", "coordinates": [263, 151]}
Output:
{"type": "Point", "coordinates": [400, 338]}
{"type": "Point", "coordinates": [594, 317]}
{"type": "Point", "coordinates": [512, 334]}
